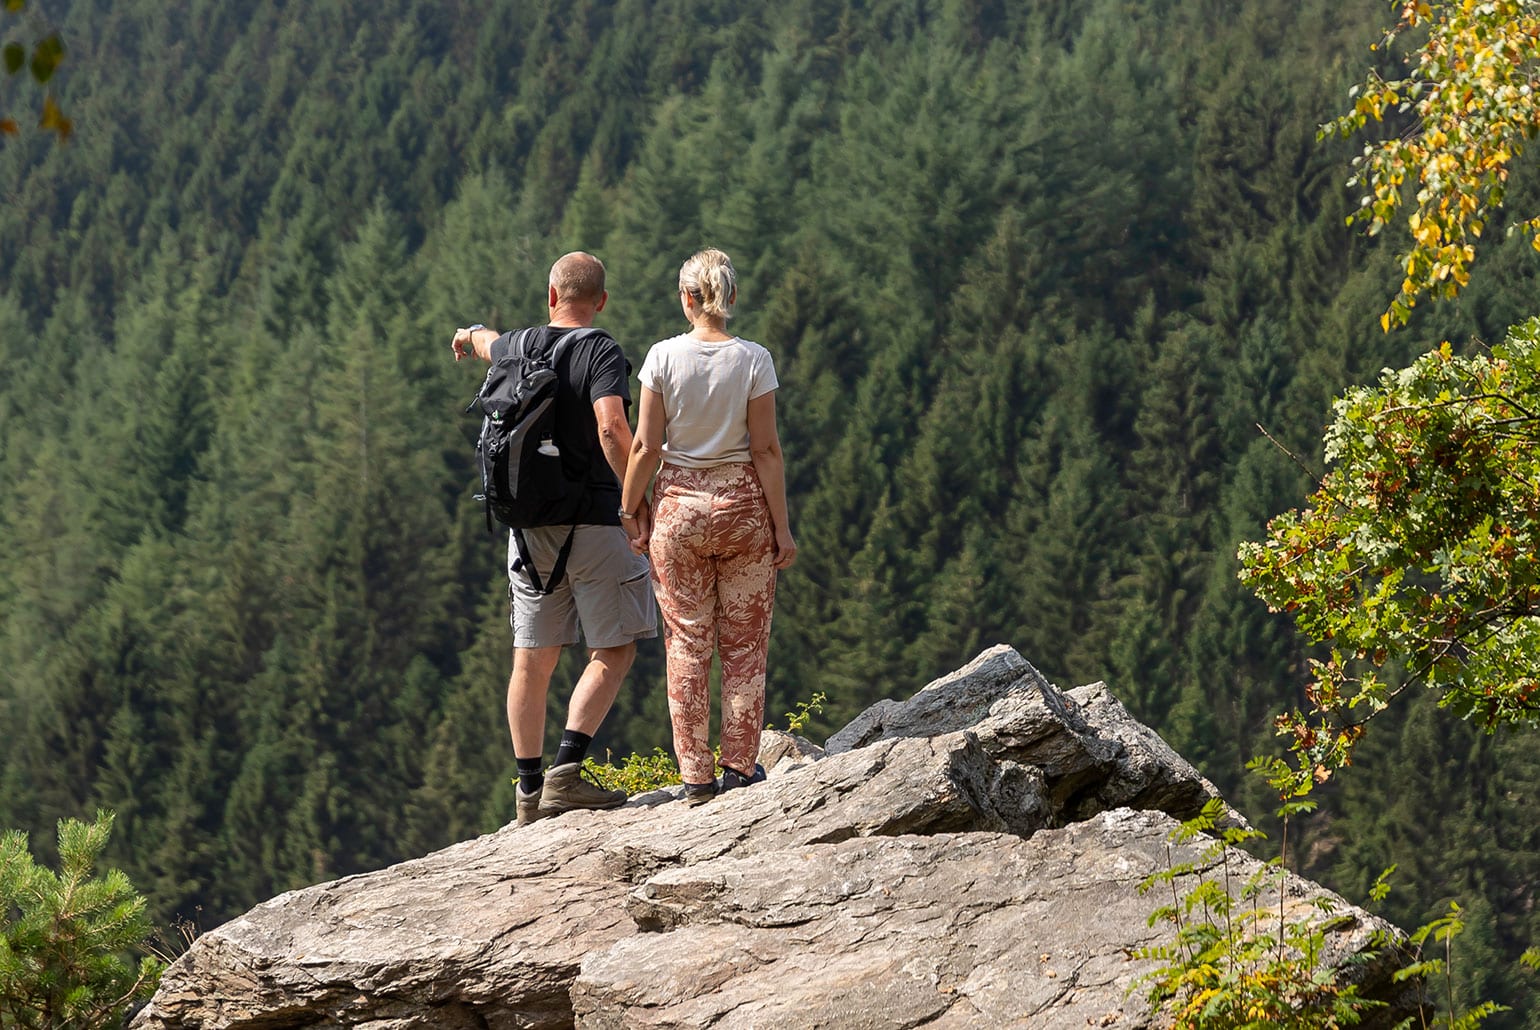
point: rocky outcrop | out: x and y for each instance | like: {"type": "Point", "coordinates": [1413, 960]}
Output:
{"type": "Point", "coordinates": [969, 857]}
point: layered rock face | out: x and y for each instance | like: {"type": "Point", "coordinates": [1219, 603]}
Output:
{"type": "Point", "coordinates": [970, 857]}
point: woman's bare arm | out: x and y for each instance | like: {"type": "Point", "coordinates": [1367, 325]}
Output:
{"type": "Point", "coordinates": [646, 456]}
{"type": "Point", "coordinates": [770, 465]}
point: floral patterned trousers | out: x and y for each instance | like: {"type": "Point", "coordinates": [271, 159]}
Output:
{"type": "Point", "coordinates": [712, 550]}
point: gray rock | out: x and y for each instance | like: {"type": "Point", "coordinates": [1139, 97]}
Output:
{"type": "Point", "coordinates": [953, 702]}
{"type": "Point", "coordinates": [1091, 753]}
{"type": "Point", "coordinates": [500, 924]}
{"type": "Point", "coordinates": [1149, 773]}
{"type": "Point", "coordinates": [781, 750]}
{"type": "Point", "coordinates": [486, 933]}
{"type": "Point", "coordinates": [950, 930]}
{"type": "Point", "coordinates": [918, 873]}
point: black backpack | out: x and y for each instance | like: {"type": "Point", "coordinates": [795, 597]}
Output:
{"type": "Point", "coordinates": [523, 478]}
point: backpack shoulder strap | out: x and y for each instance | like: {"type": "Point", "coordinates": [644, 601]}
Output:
{"type": "Point", "coordinates": [511, 342]}
{"type": "Point", "coordinates": [572, 336]}
{"type": "Point", "coordinates": [526, 564]}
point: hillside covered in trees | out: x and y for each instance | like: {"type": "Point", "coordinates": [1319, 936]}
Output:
{"type": "Point", "coordinates": [1033, 275]}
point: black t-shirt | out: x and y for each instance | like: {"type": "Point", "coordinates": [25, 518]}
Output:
{"type": "Point", "coordinates": [591, 369]}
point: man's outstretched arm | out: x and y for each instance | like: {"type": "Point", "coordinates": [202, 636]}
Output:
{"type": "Point", "coordinates": [474, 341]}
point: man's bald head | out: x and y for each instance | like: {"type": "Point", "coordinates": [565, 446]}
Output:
{"type": "Point", "coordinates": [578, 278]}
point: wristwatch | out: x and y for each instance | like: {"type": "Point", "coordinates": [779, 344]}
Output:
{"type": "Point", "coordinates": [628, 514]}
{"type": "Point", "coordinates": [469, 346]}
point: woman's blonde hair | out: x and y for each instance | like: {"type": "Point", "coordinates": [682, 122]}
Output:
{"type": "Point", "coordinates": [709, 277]}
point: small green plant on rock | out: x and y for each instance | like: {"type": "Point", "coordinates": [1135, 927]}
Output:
{"type": "Point", "coordinates": [636, 773]}
{"type": "Point", "coordinates": [65, 937]}
{"type": "Point", "coordinates": [799, 719]}
{"type": "Point", "coordinates": [1236, 962]}
{"type": "Point", "coordinates": [1439, 970]}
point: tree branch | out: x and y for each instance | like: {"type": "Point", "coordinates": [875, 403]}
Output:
{"type": "Point", "coordinates": [1319, 482]}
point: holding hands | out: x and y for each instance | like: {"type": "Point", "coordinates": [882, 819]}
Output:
{"type": "Point", "coordinates": [638, 528]}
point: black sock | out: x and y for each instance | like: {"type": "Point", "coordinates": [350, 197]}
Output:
{"type": "Point", "coordinates": [574, 747]}
{"type": "Point", "coordinates": [530, 777]}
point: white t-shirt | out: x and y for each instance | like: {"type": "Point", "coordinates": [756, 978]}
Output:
{"type": "Point", "coordinates": [706, 388]}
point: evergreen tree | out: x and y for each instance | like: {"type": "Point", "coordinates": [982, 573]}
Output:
{"type": "Point", "coordinates": [62, 934]}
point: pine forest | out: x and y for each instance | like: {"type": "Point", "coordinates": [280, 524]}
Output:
{"type": "Point", "coordinates": [1060, 296]}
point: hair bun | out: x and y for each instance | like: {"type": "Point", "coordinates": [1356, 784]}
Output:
{"type": "Point", "coordinates": [709, 276]}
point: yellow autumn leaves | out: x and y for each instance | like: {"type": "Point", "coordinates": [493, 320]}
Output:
{"type": "Point", "coordinates": [1454, 125]}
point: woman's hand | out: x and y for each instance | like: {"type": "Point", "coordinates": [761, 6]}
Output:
{"type": "Point", "coordinates": [639, 530]}
{"type": "Point", "coordinates": [785, 549]}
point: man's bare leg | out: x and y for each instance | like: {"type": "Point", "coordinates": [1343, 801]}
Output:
{"type": "Point", "coordinates": [596, 688]}
{"type": "Point", "coordinates": [565, 786]}
{"type": "Point", "coordinates": [527, 687]}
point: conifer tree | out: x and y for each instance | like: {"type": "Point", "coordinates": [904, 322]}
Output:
{"type": "Point", "coordinates": [62, 934]}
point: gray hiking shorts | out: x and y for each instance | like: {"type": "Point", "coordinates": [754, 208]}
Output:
{"type": "Point", "coordinates": [607, 590]}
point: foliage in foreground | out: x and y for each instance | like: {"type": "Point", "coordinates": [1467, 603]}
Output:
{"type": "Point", "coordinates": [1472, 94]}
{"type": "Point", "coordinates": [637, 773]}
{"type": "Point", "coordinates": [1421, 549]}
{"type": "Point", "coordinates": [64, 935]}
{"type": "Point", "coordinates": [1236, 963]}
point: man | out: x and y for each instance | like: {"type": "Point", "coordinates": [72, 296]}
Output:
{"type": "Point", "coordinates": [606, 588]}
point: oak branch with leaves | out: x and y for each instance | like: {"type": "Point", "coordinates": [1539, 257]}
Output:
{"type": "Point", "coordinates": [1420, 549]}
{"type": "Point", "coordinates": [1469, 102]}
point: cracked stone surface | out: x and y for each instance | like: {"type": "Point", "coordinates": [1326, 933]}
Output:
{"type": "Point", "coordinates": [949, 930]}
{"type": "Point", "coordinates": [968, 857]}
{"type": "Point", "coordinates": [1034, 932]}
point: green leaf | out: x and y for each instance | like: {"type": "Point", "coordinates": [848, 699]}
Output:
{"type": "Point", "coordinates": [1431, 967]}
{"type": "Point", "coordinates": [15, 58]}
{"type": "Point", "coordinates": [46, 56]}
{"type": "Point", "coordinates": [1381, 886]}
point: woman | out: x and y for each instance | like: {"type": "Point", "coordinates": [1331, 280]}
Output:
{"type": "Point", "coordinates": [719, 529]}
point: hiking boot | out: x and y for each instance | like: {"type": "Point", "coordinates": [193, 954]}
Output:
{"type": "Point", "coordinates": [571, 786]}
{"type": "Point", "coordinates": [526, 805]}
{"type": "Point", "coordinates": [732, 779]}
{"type": "Point", "coordinates": [699, 793]}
